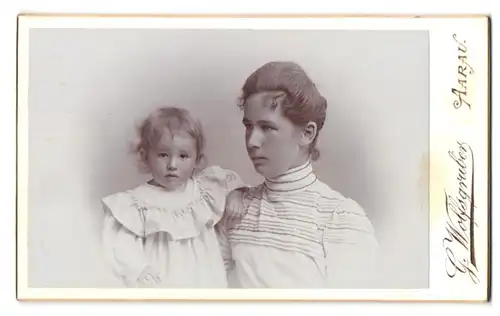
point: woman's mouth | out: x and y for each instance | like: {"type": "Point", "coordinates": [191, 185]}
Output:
{"type": "Point", "coordinates": [258, 159]}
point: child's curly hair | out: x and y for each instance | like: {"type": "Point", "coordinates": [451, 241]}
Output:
{"type": "Point", "coordinates": [174, 120]}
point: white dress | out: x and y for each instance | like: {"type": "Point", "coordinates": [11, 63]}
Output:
{"type": "Point", "coordinates": [299, 233]}
{"type": "Point", "coordinates": [171, 232]}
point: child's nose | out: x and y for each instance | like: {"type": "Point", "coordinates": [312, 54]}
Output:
{"type": "Point", "coordinates": [172, 164]}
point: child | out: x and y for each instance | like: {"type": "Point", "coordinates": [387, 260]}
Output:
{"type": "Point", "coordinates": [296, 231]}
{"type": "Point", "coordinates": [161, 233]}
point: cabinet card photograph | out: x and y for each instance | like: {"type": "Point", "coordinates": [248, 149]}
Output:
{"type": "Point", "coordinates": [315, 158]}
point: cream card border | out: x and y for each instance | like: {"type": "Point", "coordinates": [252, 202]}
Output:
{"type": "Point", "coordinates": [459, 153]}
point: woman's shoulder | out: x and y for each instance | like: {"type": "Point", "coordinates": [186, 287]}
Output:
{"type": "Point", "coordinates": [324, 191]}
{"type": "Point", "coordinates": [337, 200]}
{"type": "Point", "coordinates": [347, 220]}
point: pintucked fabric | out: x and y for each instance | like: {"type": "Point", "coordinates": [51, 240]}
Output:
{"type": "Point", "coordinates": [299, 233]}
{"type": "Point", "coordinates": [173, 233]}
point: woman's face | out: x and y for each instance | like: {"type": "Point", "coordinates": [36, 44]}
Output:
{"type": "Point", "coordinates": [272, 140]}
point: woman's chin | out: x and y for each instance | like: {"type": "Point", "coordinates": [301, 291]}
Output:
{"type": "Point", "coordinates": [260, 168]}
{"type": "Point", "coordinates": [264, 171]}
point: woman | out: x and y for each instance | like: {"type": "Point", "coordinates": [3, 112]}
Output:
{"type": "Point", "coordinates": [296, 232]}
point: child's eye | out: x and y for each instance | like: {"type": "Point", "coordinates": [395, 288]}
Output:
{"type": "Point", "coordinates": [247, 126]}
{"type": "Point", "coordinates": [163, 155]}
{"type": "Point", "coordinates": [184, 156]}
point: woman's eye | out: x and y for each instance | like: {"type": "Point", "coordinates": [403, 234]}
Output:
{"type": "Point", "coordinates": [266, 128]}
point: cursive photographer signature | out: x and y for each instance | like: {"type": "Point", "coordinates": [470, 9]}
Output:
{"type": "Point", "coordinates": [463, 71]}
{"type": "Point", "coordinates": [459, 242]}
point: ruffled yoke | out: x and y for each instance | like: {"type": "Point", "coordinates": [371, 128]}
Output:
{"type": "Point", "coordinates": [211, 187]}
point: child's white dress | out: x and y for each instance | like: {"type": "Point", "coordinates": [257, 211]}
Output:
{"type": "Point", "coordinates": [299, 233]}
{"type": "Point", "coordinates": [170, 232]}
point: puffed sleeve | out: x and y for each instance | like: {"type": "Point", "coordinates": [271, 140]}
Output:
{"type": "Point", "coordinates": [226, 179]}
{"type": "Point", "coordinates": [123, 249]}
{"type": "Point", "coordinates": [351, 248]}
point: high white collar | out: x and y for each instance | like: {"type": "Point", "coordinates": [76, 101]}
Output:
{"type": "Point", "coordinates": [294, 179]}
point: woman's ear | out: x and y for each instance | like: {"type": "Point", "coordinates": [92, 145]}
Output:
{"type": "Point", "coordinates": [309, 133]}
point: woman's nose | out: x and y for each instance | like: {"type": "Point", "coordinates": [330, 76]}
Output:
{"type": "Point", "coordinates": [254, 139]}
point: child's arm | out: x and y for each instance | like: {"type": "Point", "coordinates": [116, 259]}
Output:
{"type": "Point", "coordinates": [235, 209]}
{"type": "Point", "coordinates": [123, 251]}
{"type": "Point", "coordinates": [225, 246]}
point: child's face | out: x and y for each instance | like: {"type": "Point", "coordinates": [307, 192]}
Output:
{"type": "Point", "coordinates": [272, 140]}
{"type": "Point", "coordinates": [173, 160]}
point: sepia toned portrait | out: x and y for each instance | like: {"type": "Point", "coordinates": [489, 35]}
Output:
{"type": "Point", "coordinates": [190, 154]}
